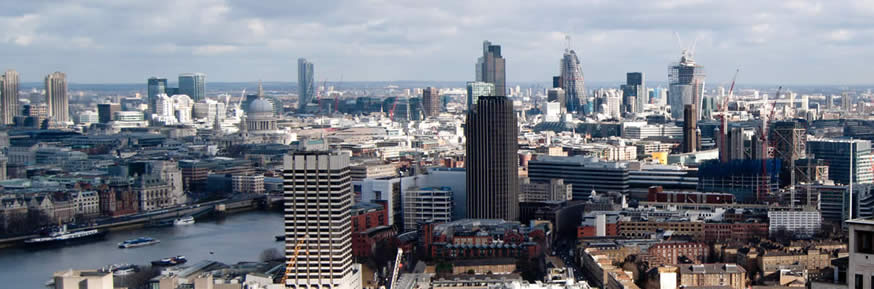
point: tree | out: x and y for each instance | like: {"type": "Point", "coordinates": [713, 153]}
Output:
{"type": "Point", "coordinates": [271, 254]}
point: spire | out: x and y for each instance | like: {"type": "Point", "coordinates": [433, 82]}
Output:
{"type": "Point", "coordinates": [217, 125]}
{"type": "Point", "coordinates": [260, 89]}
{"type": "Point", "coordinates": [243, 125]}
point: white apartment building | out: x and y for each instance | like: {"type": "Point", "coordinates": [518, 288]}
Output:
{"type": "Point", "coordinates": [428, 204]}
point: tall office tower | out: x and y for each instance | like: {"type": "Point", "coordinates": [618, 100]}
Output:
{"type": "Point", "coordinates": [56, 97]}
{"type": "Point", "coordinates": [9, 97]}
{"type": "Point", "coordinates": [475, 89]}
{"type": "Point", "coordinates": [557, 95]}
{"type": "Point", "coordinates": [838, 153]}
{"type": "Point", "coordinates": [690, 129]}
{"type": "Point", "coordinates": [193, 85]}
{"type": "Point", "coordinates": [846, 102]}
{"type": "Point", "coordinates": [572, 81]}
{"type": "Point", "coordinates": [490, 68]}
{"type": "Point", "coordinates": [318, 200]}
{"type": "Point", "coordinates": [156, 86]}
{"type": "Point", "coordinates": [306, 87]}
{"type": "Point", "coordinates": [106, 111]}
{"type": "Point", "coordinates": [686, 85]}
{"type": "Point", "coordinates": [829, 101]}
{"type": "Point", "coordinates": [492, 162]}
{"type": "Point", "coordinates": [634, 94]}
{"type": "Point", "coordinates": [431, 103]}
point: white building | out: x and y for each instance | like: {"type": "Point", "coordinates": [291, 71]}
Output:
{"type": "Point", "coordinates": [174, 109]}
{"type": "Point", "coordinates": [429, 204]}
{"type": "Point", "coordinates": [318, 199]}
{"type": "Point", "coordinates": [802, 223]}
{"type": "Point", "coordinates": [248, 184]}
{"type": "Point", "coordinates": [861, 267]}
{"type": "Point", "coordinates": [88, 117]}
{"type": "Point", "coordinates": [207, 110]}
{"type": "Point", "coordinates": [82, 279]}
{"type": "Point", "coordinates": [86, 203]}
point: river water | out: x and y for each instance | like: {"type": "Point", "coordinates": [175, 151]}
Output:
{"type": "Point", "coordinates": [238, 237]}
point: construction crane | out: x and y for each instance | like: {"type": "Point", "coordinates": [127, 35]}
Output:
{"type": "Point", "coordinates": [724, 120]}
{"type": "Point", "coordinates": [391, 112]}
{"type": "Point", "coordinates": [396, 269]}
{"type": "Point", "coordinates": [766, 155]}
{"type": "Point", "coordinates": [292, 260]}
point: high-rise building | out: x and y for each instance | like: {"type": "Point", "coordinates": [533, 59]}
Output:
{"type": "Point", "coordinates": [634, 94]}
{"type": "Point", "coordinates": [838, 153]}
{"type": "Point", "coordinates": [8, 97]}
{"type": "Point", "coordinates": [557, 95]}
{"type": "Point", "coordinates": [156, 86]}
{"type": "Point", "coordinates": [431, 102]}
{"type": "Point", "coordinates": [490, 68]}
{"type": "Point", "coordinates": [572, 81]}
{"type": "Point", "coordinates": [690, 129]}
{"type": "Point", "coordinates": [106, 111]}
{"type": "Point", "coordinates": [475, 89]}
{"type": "Point", "coordinates": [318, 201]}
{"type": "Point", "coordinates": [492, 162]}
{"type": "Point", "coordinates": [193, 85]}
{"type": "Point", "coordinates": [789, 138]}
{"type": "Point", "coordinates": [56, 97]}
{"type": "Point", "coordinates": [306, 87]}
{"type": "Point", "coordinates": [686, 85]}
{"type": "Point", "coordinates": [426, 205]}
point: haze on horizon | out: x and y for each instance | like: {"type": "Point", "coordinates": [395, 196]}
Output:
{"type": "Point", "coordinates": [102, 41]}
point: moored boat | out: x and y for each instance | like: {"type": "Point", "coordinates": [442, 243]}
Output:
{"type": "Point", "coordinates": [138, 242]}
{"type": "Point", "coordinates": [184, 221]}
{"type": "Point", "coordinates": [171, 261]}
{"type": "Point", "coordinates": [60, 235]}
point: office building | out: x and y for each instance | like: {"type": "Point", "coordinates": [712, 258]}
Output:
{"type": "Point", "coordinates": [8, 97]}
{"type": "Point", "coordinates": [554, 190]}
{"type": "Point", "coordinates": [801, 224]}
{"type": "Point", "coordinates": [193, 85]}
{"type": "Point", "coordinates": [306, 87]}
{"type": "Point", "coordinates": [690, 129]}
{"type": "Point", "coordinates": [686, 85]}
{"type": "Point", "coordinates": [492, 160]}
{"type": "Point", "coordinates": [572, 81]}
{"type": "Point", "coordinates": [431, 104]}
{"type": "Point", "coordinates": [634, 94]}
{"type": "Point", "coordinates": [475, 89]}
{"type": "Point", "coordinates": [490, 68]}
{"type": "Point", "coordinates": [790, 140]}
{"type": "Point", "coordinates": [582, 173]}
{"type": "Point", "coordinates": [56, 97]}
{"type": "Point", "coordinates": [426, 205]}
{"type": "Point", "coordinates": [318, 200]}
{"type": "Point", "coordinates": [741, 178]}
{"type": "Point", "coordinates": [156, 86]}
{"type": "Point", "coordinates": [557, 95]}
{"type": "Point", "coordinates": [837, 153]}
{"type": "Point", "coordinates": [106, 111]}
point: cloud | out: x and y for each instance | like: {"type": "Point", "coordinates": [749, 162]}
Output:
{"type": "Point", "coordinates": [783, 41]}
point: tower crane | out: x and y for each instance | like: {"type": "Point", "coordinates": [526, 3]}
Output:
{"type": "Point", "coordinates": [723, 127]}
{"type": "Point", "coordinates": [396, 269]}
{"type": "Point", "coordinates": [766, 188]}
{"type": "Point", "coordinates": [291, 261]}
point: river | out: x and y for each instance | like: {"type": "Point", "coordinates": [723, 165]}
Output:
{"type": "Point", "coordinates": [238, 237]}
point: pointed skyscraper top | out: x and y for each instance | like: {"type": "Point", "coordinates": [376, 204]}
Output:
{"type": "Point", "coordinates": [260, 89]}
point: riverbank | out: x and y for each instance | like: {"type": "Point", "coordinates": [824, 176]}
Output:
{"type": "Point", "coordinates": [138, 221]}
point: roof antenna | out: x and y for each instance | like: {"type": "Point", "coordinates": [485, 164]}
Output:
{"type": "Point", "coordinates": [567, 39]}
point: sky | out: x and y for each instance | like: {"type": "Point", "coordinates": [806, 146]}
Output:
{"type": "Point", "coordinates": [126, 41]}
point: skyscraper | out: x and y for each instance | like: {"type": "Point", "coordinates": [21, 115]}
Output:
{"type": "Point", "coordinates": [156, 86]}
{"type": "Point", "coordinates": [634, 94]}
{"type": "Point", "coordinates": [557, 95]}
{"type": "Point", "coordinates": [690, 129]}
{"type": "Point", "coordinates": [431, 101]}
{"type": "Point", "coordinates": [318, 200]}
{"type": "Point", "coordinates": [686, 85]}
{"type": "Point", "coordinates": [475, 89]}
{"type": "Point", "coordinates": [306, 88]}
{"type": "Point", "coordinates": [490, 68]}
{"type": "Point", "coordinates": [56, 97]}
{"type": "Point", "coordinates": [492, 161]}
{"type": "Point", "coordinates": [193, 85]}
{"type": "Point", "coordinates": [572, 81]}
{"type": "Point", "coordinates": [9, 96]}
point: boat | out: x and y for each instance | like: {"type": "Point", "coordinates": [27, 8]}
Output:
{"type": "Point", "coordinates": [172, 261]}
{"type": "Point", "coordinates": [280, 238]}
{"type": "Point", "coordinates": [121, 269]}
{"type": "Point", "coordinates": [184, 221]}
{"type": "Point", "coordinates": [60, 235]}
{"type": "Point", "coordinates": [138, 242]}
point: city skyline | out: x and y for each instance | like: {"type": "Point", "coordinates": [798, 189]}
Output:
{"type": "Point", "coordinates": [366, 43]}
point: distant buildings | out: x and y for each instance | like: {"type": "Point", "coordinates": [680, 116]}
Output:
{"type": "Point", "coordinates": [56, 97]}
{"type": "Point", "coordinates": [317, 220]}
{"type": "Point", "coordinates": [634, 94]}
{"type": "Point", "coordinates": [193, 85]}
{"type": "Point", "coordinates": [155, 87]}
{"type": "Point", "coordinates": [837, 153]}
{"type": "Point", "coordinates": [691, 133]}
{"type": "Point", "coordinates": [492, 161]}
{"type": "Point", "coordinates": [8, 97]}
{"type": "Point", "coordinates": [306, 87]}
{"type": "Point", "coordinates": [431, 103]}
{"type": "Point", "coordinates": [477, 89]}
{"type": "Point", "coordinates": [490, 68]}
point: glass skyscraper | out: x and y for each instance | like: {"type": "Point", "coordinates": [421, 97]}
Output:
{"type": "Point", "coordinates": [491, 68]}
{"type": "Point", "coordinates": [475, 89]}
{"type": "Point", "coordinates": [572, 81]}
{"type": "Point", "coordinates": [193, 85]}
{"type": "Point", "coordinates": [686, 85]}
{"type": "Point", "coordinates": [306, 87]}
{"type": "Point", "coordinates": [156, 86]}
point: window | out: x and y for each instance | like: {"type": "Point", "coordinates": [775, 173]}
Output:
{"type": "Point", "coordinates": [864, 242]}
{"type": "Point", "coordinates": [858, 281]}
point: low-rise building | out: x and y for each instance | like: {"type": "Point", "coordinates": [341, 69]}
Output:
{"type": "Point", "coordinates": [82, 279]}
{"type": "Point", "coordinates": [697, 275]}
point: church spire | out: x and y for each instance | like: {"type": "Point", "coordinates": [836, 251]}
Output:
{"type": "Point", "coordinates": [260, 89]}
